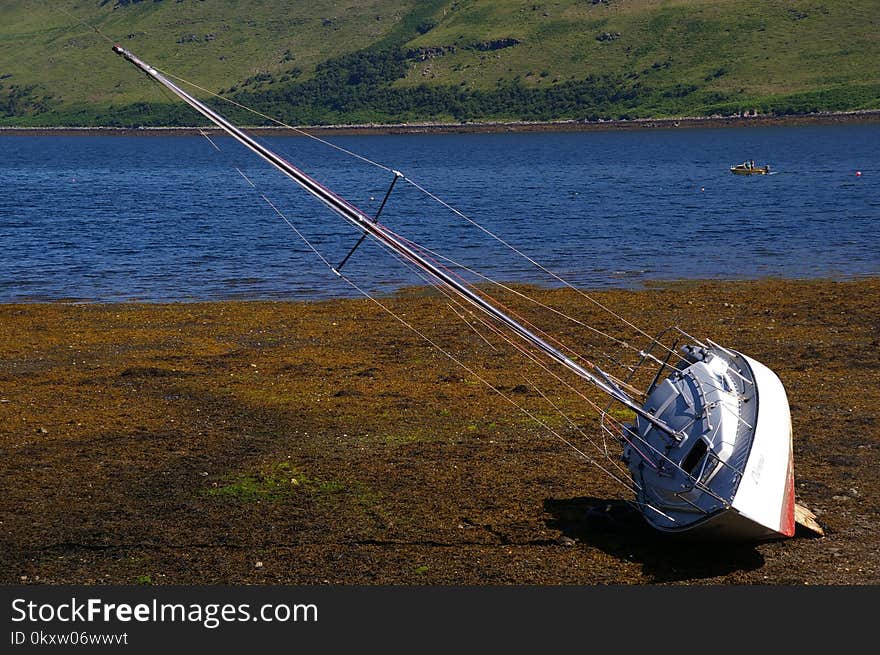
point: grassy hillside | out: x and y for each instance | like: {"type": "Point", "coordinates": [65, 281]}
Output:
{"type": "Point", "coordinates": [329, 61]}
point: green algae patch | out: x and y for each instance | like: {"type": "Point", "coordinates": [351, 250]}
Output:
{"type": "Point", "coordinates": [272, 483]}
{"type": "Point", "coordinates": [277, 482]}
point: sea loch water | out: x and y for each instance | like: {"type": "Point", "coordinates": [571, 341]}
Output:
{"type": "Point", "coordinates": [158, 218]}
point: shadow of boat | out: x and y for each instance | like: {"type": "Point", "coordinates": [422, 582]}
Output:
{"type": "Point", "coordinates": [617, 528]}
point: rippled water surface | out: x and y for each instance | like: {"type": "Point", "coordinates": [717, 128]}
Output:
{"type": "Point", "coordinates": [170, 218]}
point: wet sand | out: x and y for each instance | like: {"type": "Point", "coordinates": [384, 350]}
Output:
{"type": "Point", "coordinates": [324, 442]}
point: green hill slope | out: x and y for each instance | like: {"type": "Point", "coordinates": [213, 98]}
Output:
{"type": "Point", "coordinates": [381, 61]}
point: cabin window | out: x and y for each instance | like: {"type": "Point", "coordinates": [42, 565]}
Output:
{"type": "Point", "coordinates": [693, 458]}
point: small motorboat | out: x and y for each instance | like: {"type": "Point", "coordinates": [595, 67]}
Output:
{"type": "Point", "coordinates": [749, 168]}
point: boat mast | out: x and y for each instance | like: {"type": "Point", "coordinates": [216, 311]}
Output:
{"type": "Point", "coordinates": [365, 223]}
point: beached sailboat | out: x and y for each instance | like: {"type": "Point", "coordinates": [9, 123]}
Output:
{"type": "Point", "coordinates": [709, 445]}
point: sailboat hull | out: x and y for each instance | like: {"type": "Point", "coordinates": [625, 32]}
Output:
{"type": "Point", "coordinates": [765, 495]}
{"type": "Point", "coordinates": [730, 474]}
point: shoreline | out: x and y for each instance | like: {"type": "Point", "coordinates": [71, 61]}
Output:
{"type": "Point", "coordinates": [871, 116]}
{"type": "Point", "coordinates": [415, 291]}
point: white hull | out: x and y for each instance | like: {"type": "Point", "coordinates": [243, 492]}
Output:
{"type": "Point", "coordinates": [766, 493]}
{"type": "Point", "coordinates": [742, 487]}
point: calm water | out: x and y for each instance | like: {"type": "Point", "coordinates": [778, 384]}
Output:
{"type": "Point", "coordinates": [170, 218]}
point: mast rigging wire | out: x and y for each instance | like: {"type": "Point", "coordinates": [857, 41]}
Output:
{"type": "Point", "coordinates": [388, 238]}
{"type": "Point", "coordinates": [427, 193]}
{"type": "Point", "coordinates": [390, 170]}
{"type": "Point", "coordinates": [622, 430]}
{"type": "Point", "coordinates": [433, 343]}
{"type": "Point", "coordinates": [359, 219]}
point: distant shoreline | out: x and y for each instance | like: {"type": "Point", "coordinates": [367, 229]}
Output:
{"type": "Point", "coordinates": [829, 118]}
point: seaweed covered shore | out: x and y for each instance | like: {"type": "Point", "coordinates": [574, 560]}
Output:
{"type": "Point", "coordinates": [326, 443]}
